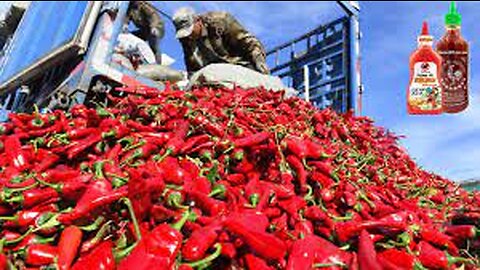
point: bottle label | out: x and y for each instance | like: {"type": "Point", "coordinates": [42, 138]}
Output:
{"type": "Point", "coordinates": [424, 91]}
{"type": "Point", "coordinates": [454, 79]}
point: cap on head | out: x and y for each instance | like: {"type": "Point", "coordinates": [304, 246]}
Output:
{"type": "Point", "coordinates": [184, 20]}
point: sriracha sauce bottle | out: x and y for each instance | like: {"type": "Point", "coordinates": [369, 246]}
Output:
{"type": "Point", "coordinates": [454, 52]}
{"type": "Point", "coordinates": [424, 95]}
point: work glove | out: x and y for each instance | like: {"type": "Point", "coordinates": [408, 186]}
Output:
{"type": "Point", "coordinates": [260, 65]}
{"type": "Point", "coordinates": [156, 32]}
{"type": "Point", "coordinates": [259, 60]}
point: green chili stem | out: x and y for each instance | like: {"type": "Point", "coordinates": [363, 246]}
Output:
{"type": "Point", "coordinates": [94, 225]}
{"type": "Point", "coordinates": [186, 216]}
{"type": "Point", "coordinates": [323, 265]}
{"type": "Point", "coordinates": [168, 152]}
{"type": "Point", "coordinates": [17, 240]}
{"type": "Point", "coordinates": [209, 258]}
{"type": "Point", "coordinates": [128, 203]}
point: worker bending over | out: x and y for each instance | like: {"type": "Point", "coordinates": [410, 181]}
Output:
{"type": "Point", "coordinates": [150, 26]}
{"type": "Point", "coordinates": [217, 37]}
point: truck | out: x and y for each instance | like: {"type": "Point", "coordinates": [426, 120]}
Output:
{"type": "Point", "coordinates": [58, 59]}
{"type": "Point", "coordinates": [66, 59]}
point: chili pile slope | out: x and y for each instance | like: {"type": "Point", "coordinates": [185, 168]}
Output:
{"type": "Point", "coordinates": [222, 179]}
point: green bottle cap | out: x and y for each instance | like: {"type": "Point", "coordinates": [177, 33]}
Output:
{"type": "Point", "coordinates": [453, 17]}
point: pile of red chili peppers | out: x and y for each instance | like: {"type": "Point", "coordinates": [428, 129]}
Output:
{"type": "Point", "coordinates": [222, 179]}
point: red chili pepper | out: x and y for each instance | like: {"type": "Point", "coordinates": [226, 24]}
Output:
{"type": "Point", "coordinates": [70, 189]}
{"type": "Point", "coordinates": [78, 147]}
{"type": "Point", "coordinates": [303, 228]}
{"type": "Point", "coordinates": [436, 259]}
{"type": "Point", "coordinates": [79, 133]}
{"type": "Point", "coordinates": [55, 128]}
{"type": "Point", "coordinates": [303, 253]}
{"type": "Point", "coordinates": [175, 144]}
{"type": "Point", "coordinates": [296, 146]}
{"type": "Point", "coordinates": [40, 254]}
{"type": "Point", "coordinates": [251, 140]}
{"type": "Point", "coordinates": [144, 151]}
{"type": "Point", "coordinates": [46, 160]}
{"type": "Point", "coordinates": [347, 230]}
{"type": "Point", "coordinates": [172, 172]}
{"type": "Point", "coordinates": [139, 127]}
{"type": "Point", "coordinates": [255, 263]}
{"type": "Point", "coordinates": [202, 122]}
{"type": "Point", "coordinates": [396, 259]}
{"type": "Point", "coordinates": [314, 213]}
{"type": "Point", "coordinates": [16, 156]}
{"type": "Point", "coordinates": [68, 245]}
{"type": "Point", "coordinates": [330, 255]}
{"type": "Point", "coordinates": [315, 150]}
{"type": "Point", "coordinates": [25, 240]}
{"type": "Point", "coordinates": [321, 178]}
{"type": "Point", "coordinates": [323, 167]}
{"type": "Point", "coordinates": [3, 262]}
{"type": "Point", "coordinates": [438, 238]}
{"type": "Point", "coordinates": [265, 245]}
{"type": "Point", "coordinates": [293, 205]}
{"type": "Point", "coordinates": [160, 213]}
{"type": "Point", "coordinates": [23, 218]}
{"type": "Point", "coordinates": [462, 232]}
{"type": "Point", "coordinates": [98, 194]}
{"type": "Point", "coordinates": [29, 198]}
{"type": "Point", "coordinates": [251, 219]}
{"type": "Point", "coordinates": [209, 205]}
{"type": "Point", "coordinates": [199, 242]}
{"type": "Point", "coordinates": [300, 171]}
{"type": "Point", "coordinates": [159, 248]}
{"type": "Point", "coordinates": [229, 250]}
{"type": "Point", "coordinates": [367, 257]}
{"type": "Point", "coordinates": [99, 258]}
{"type": "Point", "coordinates": [60, 174]}
{"type": "Point", "coordinates": [193, 142]}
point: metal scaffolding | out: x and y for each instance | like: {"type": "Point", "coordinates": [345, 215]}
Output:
{"type": "Point", "coordinates": [324, 64]}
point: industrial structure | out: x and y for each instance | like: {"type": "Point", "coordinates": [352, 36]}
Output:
{"type": "Point", "coordinates": [324, 64]}
{"type": "Point", "coordinates": [73, 58]}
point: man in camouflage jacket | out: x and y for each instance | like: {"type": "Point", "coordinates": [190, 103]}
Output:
{"type": "Point", "coordinates": [217, 37]}
{"type": "Point", "coordinates": [150, 26]}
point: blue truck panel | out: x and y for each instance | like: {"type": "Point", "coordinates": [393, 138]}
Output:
{"type": "Point", "coordinates": [55, 24]}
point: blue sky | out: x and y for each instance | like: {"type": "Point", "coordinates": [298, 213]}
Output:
{"type": "Point", "coordinates": [446, 144]}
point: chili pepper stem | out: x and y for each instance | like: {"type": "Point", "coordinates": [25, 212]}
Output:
{"type": "Point", "coordinates": [309, 196]}
{"type": "Point", "coordinates": [454, 260]}
{"type": "Point", "coordinates": [9, 191]}
{"type": "Point", "coordinates": [254, 199]}
{"type": "Point", "coordinates": [209, 258]}
{"type": "Point", "coordinates": [128, 148]}
{"type": "Point", "coordinates": [57, 187]}
{"type": "Point", "coordinates": [218, 189]}
{"type": "Point", "coordinates": [168, 152]}
{"type": "Point", "coordinates": [325, 265]}
{"type": "Point", "coordinates": [12, 218]}
{"type": "Point", "coordinates": [186, 216]}
{"type": "Point", "coordinates": [119, 255]}
{"type": "Point", "coordinates": [14, 199]}
{"type": "Point", "coordinates": [418, 266]}
{"type": "Point", "coordinates": [20, 238]}
{"type": "Point", "coordinates": [175, 201]}
{"type": "Point", "coordinates": [52, 222]}
{"type": "Point", "coordinates": [98, 168]}
{"type": "Point", "coordinates": [128, 203]}
{"type": "Point", "coordinates": [94, 225]}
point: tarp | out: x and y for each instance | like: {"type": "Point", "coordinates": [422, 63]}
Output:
{"type": "Point", "coordinates": [228, 75]}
